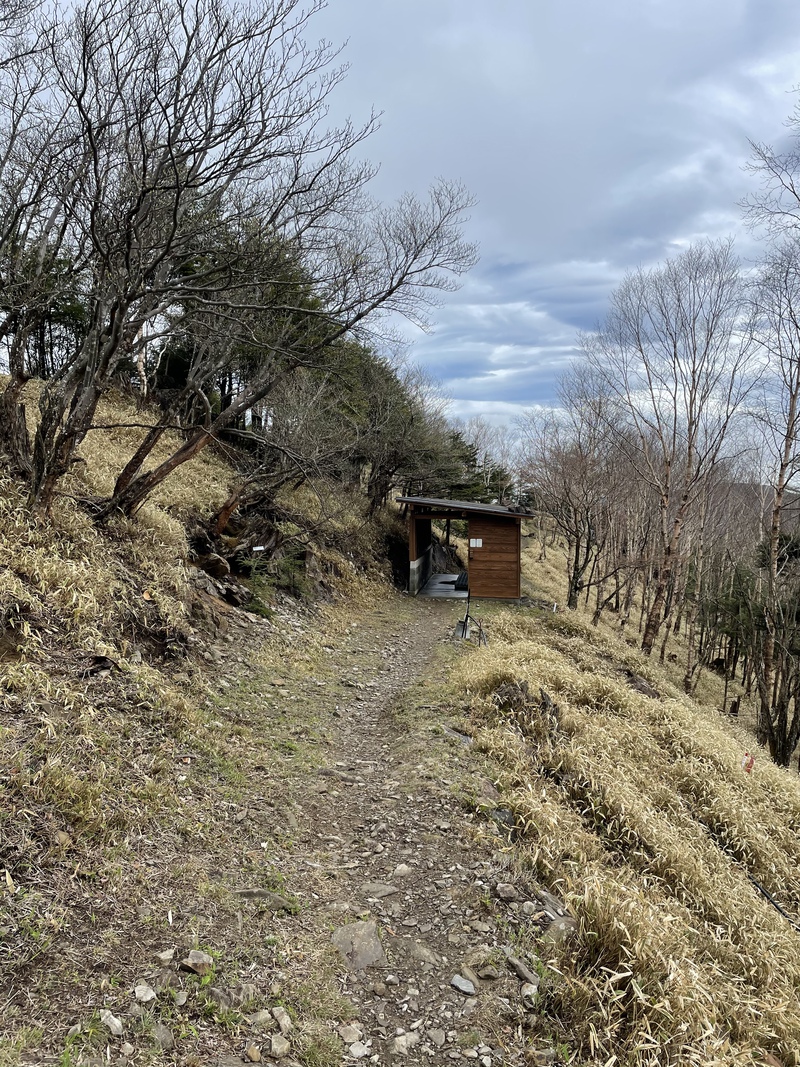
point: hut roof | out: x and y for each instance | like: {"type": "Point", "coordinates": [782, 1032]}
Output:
{"type": "Point", "coordinates": [463, 506]}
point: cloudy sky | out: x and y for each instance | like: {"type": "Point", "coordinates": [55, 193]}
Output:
{"type": "Point", "coordinates": [596, 135]}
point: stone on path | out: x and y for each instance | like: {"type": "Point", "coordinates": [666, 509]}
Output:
{"type": "Point", "coordinates": [463, 985]}
{"type": "Point", "coordinates": [261, 1018]}
{"type": "Point", "coordinates": [378, 890]}
{"type": "Point", "coordinates": [403, 1042]}
{"type": "Point", "coordinates": [360, 945]}
{"type": "Point", "coordinates": [358, 1050]}
{"type": "Point", "coordinates": [522, 970]}
{"type": "Point", "coordinates": [144, 993]}
{"type": "Point", "coordinates": [274, 901]}
{"type": "Point", "coordinates": [280, 1047]}
{"type": "Point", "coordinates": [283, 1019]}
{"type": "Point", "coordinates": [412, 950]}
{"type": "Point", "coordinates": [350, 1032]}
{"type": "Point", "coordinates": [112, 1022]}
{"type": "Point", "coordinates": [163, 1036]}
{"type": "Point", "coordinates": [507, 891]}
{"type": "Point", "coordinates": [199, 962]}
{"type": "Point", "coordinates": [218, 996]}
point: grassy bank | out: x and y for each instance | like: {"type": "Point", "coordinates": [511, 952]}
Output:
{"type": "Point", "coordinates": [635, 809]}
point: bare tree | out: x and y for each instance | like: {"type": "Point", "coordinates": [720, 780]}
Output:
{"type": "Point", "coordinates": [496, 453]}
{"type": "Point", "coordinates": [567, 464]}
{"type": "Point", "coordinates": [673, 360]}
{"type": "Point", "coordinates": [201, 179]}
{"type": "Point", "coordinates": [777, 307]}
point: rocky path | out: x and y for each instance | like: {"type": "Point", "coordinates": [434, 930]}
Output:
{"type": "Point", "coordinates": [324, 892]}
{"type": "Point", "coordinates": [423, 918]}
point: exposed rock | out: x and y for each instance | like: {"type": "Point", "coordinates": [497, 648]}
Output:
{"type": "Point", "coordinates": [112, 1022]}
{"type": "Point", "coordinates": [280, 1046]}
{"type": "Point", "coordinates": [522, 970]}
{"type": "Point", "coordinates": [165, 979]}
{"type": "Point", "coordinates": [437, 1037]}
{"type": "Point", "coordinates": [181, 996]}
{"type": "Point", "coordinates": [506, 891]}
{"type": "Point", "coordinates": [505, 820]}
{"type": "Point", "coordinates": [360, 945]}
{"type": "Point", "coordinates": [402, 870]}
{"type": "Point", "coordinates": [144, 993]}
{"type": "Point", "coordinates": [409, 949]}
{"type": "Point", "coordinates": [560, 929]}
{"type": "Point", "coordinates": [198, 962]}
{"type": "Point", "coordinates": [487, 789]}
{"type": "Point", "coordinates": [641, 685]}
{"type": "Point", "coordinates": [403, 1042]}
{"type": "Point", "coordinates": [463, 985]}
{"type": "Point", "coordinates": [165, 957]}
{"type": "Point", "coordinates": [163, 1036]}
{"type": "Point", "coordinates": [253, 1053]}
{"type": "Point", "coordinates": [350, 1032]}
{"type": "Point", "coordinates": [240, 995]}
{"type": "Point", "coordinates": [358, 1050]}
{"type": "Point", "coordinates": [529, 991]}
{"type": "Point", "coordinates": [489, 973]}
{"type": "Point", "coordinates": [541, 1057]}
{"type": "Point", "coordinates": [274, 901]}
{"type": "Point", "coordinates": [215, 565]}
{"type": "Point", "coordinates": [378, 890]}
{"type": "Point", "coordinates": [262, 1019]}
{"type": "Point", "coordinates": [283, 1019]}
{"type": "Point", "coordinates": [127, 1049]}
{"type": "Point", "coordinates": [219, 997]}
{"type": "Point", "coordinates": [552, 905]}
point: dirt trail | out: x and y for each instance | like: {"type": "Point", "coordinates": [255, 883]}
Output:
{"type": "Point", "coordinates": [389, 867]}
{"type": "Point", "coordinates": [324, 858]}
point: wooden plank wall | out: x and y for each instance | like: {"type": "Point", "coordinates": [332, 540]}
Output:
{"type": "Point", "coordinates": [494, 569]}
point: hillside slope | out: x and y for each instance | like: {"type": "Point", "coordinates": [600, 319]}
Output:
{"type": "Point", "coordinates": [590, 862]}
{"type": "Point", "coordinates": [634, 807]}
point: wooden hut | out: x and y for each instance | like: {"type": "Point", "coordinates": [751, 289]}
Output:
{"type": "Point", "coordinates": [494, 545]}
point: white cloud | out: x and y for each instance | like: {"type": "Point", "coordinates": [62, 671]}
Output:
{"type": "Point", "coordinates": [596, 137]}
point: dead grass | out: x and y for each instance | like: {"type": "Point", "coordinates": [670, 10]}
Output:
{"type": "Point", "coordinates": [638, 812]}
{"type": "Point", "coordinates": [118, 790]}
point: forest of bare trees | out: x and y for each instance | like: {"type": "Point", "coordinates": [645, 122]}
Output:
{"type": "Point", "coordinates": [669, 467]}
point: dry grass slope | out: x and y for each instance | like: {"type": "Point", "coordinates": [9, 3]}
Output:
{"type": "Point", "coordinates": [637, 811]}
{"type": "Point", "coordinates": [96, 769]}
